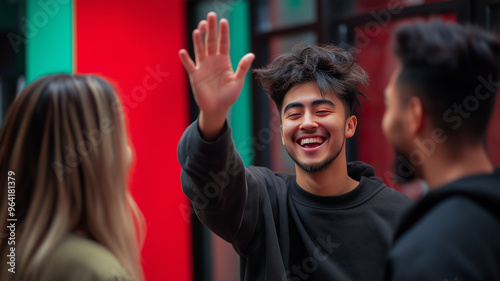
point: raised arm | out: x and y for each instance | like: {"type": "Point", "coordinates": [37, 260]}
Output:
{"type": "Point", "coordinates": [215, 85]}
{"type": "Point", "coordinates": [224, 195]}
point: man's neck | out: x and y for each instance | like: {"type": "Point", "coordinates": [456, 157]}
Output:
{"type": "Point", "coordinates": [331, 181]}
{"type": "Point", "coordinates": [450, 164]}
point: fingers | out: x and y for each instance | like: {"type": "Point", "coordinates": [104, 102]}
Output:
{"type": "Point", "coordinates": [199, 49]}
{"type": "Point", "coordinates": [187, 61]}
{"type": "Point", "coordinates": [202, 26]}
{"type": "Point", "coordinates": [211, 37]}
{"type": "Point", "coordinates": [224, 37]}
{"type": "Point", "coordinates": [209, 47]}
{"type": "Point", "coordinates": [244, 66]}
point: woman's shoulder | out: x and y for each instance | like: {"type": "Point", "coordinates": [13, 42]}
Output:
{"type": "Point", "coordinates": [79, 258]}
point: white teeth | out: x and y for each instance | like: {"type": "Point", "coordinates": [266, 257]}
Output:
{"type": "Point", "coordinates": [311, 140]}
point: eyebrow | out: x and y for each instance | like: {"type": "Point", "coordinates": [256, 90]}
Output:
{"type": "Point", "coordinates": [323, 101]}
{"type": "Point", "coordinates": [314, 103]}
{"type": "Point", "coordinates": [292, 105]}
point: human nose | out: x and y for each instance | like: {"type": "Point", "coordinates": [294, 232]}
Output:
{"type": "Point", "coordinates": [309, 122]}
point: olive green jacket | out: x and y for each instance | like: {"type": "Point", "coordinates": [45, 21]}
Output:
{"type": "Point", "coordinates": [81, 259]}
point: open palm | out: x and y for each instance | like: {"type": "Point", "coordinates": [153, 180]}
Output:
{"type": "Point", "coordinates": [215, 86]}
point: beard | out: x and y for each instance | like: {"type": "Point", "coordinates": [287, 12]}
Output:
{"type": "Point", "coordinates": [317, 167]}
{"type": "Point", "coordinates": [403, 168]}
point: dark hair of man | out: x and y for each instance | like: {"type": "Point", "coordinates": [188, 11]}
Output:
{"type": "Point", "coordinates": [450, 68]}
{"type": "Point", "coordinates": [332, 68]}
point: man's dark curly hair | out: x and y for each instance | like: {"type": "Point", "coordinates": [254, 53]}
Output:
{"type": "Point", "coordinates": [332, 68]}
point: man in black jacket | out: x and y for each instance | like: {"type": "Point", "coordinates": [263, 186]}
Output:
{"type": "Point", "coordinates": [332, 220]}
{"type": "Point", "coordinates": [438, 104]}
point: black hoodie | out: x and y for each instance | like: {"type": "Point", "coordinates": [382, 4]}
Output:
{"type": "Point", "coordinates": [453, 233]}
{"type": "Point", "coordinates": [281, 231]}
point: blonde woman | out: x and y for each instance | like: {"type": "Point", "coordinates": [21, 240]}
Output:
{"type": "Point", "coordinates": [66, 212]}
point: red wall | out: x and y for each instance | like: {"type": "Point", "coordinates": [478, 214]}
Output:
{"type": "Point", "coordinates": [135, 44]}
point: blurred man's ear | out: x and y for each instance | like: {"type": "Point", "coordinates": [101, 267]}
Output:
{"type": "Point", "coordinates": [415, 114]}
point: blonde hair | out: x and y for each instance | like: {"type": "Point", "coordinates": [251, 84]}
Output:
{"type": "Point", "coordinates": [65, 139]}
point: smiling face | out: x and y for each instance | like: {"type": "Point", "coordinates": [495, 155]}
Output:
{"type": "Point", "coordinates": [314, 128]}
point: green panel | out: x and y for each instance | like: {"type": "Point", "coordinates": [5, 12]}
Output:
{"type": "Point", "coordinates": [241, 112]}
{"type": "Point", "coordinates": [279, 14]}
{"type": "Point", "coordinates": [237, 12]}
{"type": "Point", "coordinates": [49, 37]}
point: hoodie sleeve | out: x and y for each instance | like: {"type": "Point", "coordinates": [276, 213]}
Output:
{"type": "Point", "coordinates": [223, 194]}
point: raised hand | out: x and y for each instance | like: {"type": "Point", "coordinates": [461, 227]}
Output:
{"type": "Point", "coordinates": [215, 85]}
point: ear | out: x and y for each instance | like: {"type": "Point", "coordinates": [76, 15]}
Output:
{"type": "Point", "coordinates": [282, 138]}
{"type": "Point", "coordinates": [415, 110]}
{"type": "Point", "coordinates": [350, 126]}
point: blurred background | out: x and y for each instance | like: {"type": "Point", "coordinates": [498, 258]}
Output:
{"type": "Point", "coordinates": [134, 44]}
